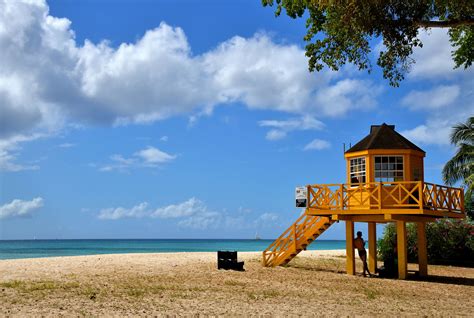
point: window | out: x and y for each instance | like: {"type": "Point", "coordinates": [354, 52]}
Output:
{"type": "Point", "coordinates": [358, 170]}
{"type": "Point", "coordinates": [388, 168]}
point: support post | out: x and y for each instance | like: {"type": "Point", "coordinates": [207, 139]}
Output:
{"type": "Point", "coordinates": [422, 249]}
{"type": "Point", "coordinates": [402, 249]}
{"type": "Point", "coordinates": [372, 247]}
{"type": "Point", "coordinates": [350, 259]}
{"type": "Point", "coordinates": [341, 189]}
{"type": "Point", "coordinates": [379, 195]}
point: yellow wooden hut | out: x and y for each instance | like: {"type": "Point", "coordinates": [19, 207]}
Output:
{"type": "Point", "coordinates": [385, 183]}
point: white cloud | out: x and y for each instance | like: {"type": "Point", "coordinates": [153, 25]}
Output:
{"type": "Point", "coordinates": [275, 134]}
{"type": "Point", "coordinates": [303, 123]}
{"type": "Point", "coordinates": [190, 207]}
{"type": "Point", "coordinates": [317, 144]}
{"type": "Point", "coordinates": [434, 60]}
{"type": "Point", "coordinates": [347, 94]}
{"type": "Point", "coordinates": [435, 98]}
{"type": "Point", "coordinates": [430, 133]}
{"type": "Point", "coordinates": [9, 148]}
{"type": "Point", "coordinates": [193, 213]}
{"type": "Point", "coordinates": [118, 163]}
{"type": "Point", "coordinates": [20, 208]}
{"type": "Point", "coordinates": [202, 221]}
{"type": "Point", "coordinates": [438, 126]}
{"type": "Point", "coordinates": [448, 103]}
{"type": "Point", "coordinates": [150, 157]}
{"type": "Point", "coordinates": [137, 211]}
{"type": "Point", "coordinates": [268, 218]}
{"type": "Point", "coordinates": [282, 127]}
{"type": "Point", "coordinates": [48, 80]}
{"type": "Point", "coordinates": [277, 79]}
{"type": "Point", "coordinates": [164, 138]}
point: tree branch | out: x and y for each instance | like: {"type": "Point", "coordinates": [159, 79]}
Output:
{"type": "Point", "coordinates": [444, 24]}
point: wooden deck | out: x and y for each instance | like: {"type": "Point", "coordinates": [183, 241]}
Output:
{"type": "Point", "coordinates": [385, 201]}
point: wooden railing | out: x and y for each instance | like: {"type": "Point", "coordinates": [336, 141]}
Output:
{"type": "Point", "coordinates": [293, 239]}
{"type": "Point", "coordinates": [386, 195]}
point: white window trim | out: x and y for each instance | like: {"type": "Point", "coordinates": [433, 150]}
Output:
{"type": "Point", "coordinates": [353, 184]}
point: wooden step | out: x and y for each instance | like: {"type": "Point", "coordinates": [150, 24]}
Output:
{"type": "Point", "coordinates": [306, 235]}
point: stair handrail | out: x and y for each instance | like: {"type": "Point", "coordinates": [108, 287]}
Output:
{"type": "Point", "coordinates": [291, 240]}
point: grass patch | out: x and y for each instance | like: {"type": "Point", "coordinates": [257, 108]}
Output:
{"type": "Point", "coordinates": [370, 293]}
{"type": "Point", "coordinates": [196, 289]}
{"type": "Point", "coordinates": [263, 295]}
{"type": "Point", "coordinates": [135, 292]}
{"type": "Point", "coordinates": [42, 285]}
{"type": "Point", "coordinates": [90, 292]}
{"type": "Point", "coordinates": [270, 293]}
{"type": "Point", "coordinates": [322, 264]}
{"type": "Point", "coordinates": [157, 289]}
{"type": "Point", "coordinates": [234, 283]}
{"type": "Point", "coordinates": [180, 295]}
{"type": "Point", "coordinates": [32, 286]}
{"type": "Point", "coordinates": [252, 296]}
{"type": "Point", "coordinates": [141, 289]}
{"type": "Point", "coordinates": [16, 284]}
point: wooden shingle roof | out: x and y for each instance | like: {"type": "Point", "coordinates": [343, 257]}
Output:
{"type": "Point", "coordinates": [383, 137]}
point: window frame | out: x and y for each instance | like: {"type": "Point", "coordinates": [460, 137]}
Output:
{"type": "Point", "coordinates": [358, 173]}
{"type": "Point", "coordinates": [395, 172]}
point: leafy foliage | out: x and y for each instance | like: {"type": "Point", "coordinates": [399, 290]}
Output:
{"type": "Point", "coordinates": [461, 167]}
{"type": "Point", "coordinates": [339, 31]}
{"type": "Point", "coordinates": [449, 242]}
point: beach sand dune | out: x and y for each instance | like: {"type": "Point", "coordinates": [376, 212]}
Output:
{"type": "Point", "coordinates": [314, 283]}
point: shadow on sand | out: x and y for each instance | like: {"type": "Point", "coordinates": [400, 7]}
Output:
{"type": "Point", "coordinates": [412, 276]}
{"type": "Point", "coordinates": [466, 281]}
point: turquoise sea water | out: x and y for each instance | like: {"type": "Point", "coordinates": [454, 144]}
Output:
{"type": "Point", "coordinates": [48, 248]}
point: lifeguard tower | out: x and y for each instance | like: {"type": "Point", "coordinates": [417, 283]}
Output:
{"type": "Point", "coordinates": [385, 183]}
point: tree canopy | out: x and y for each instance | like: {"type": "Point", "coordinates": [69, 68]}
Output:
{"type": "Point", "coordinates": [339, 31]}
{"type": "Point", "coordinates": [460, 168]}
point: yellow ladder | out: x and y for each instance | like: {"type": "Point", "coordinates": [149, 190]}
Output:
{"type": "Point", "coordinates": [295, 239]}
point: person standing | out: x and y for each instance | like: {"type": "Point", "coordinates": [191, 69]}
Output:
{"type": "Point", "coordinates": [359, 243]}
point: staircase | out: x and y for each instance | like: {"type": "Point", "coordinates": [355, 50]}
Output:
{"type": "Point", "coordinates": [295, 239]}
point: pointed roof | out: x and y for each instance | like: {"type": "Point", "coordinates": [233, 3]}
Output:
{"type": "Point", "coordinates": [383, 137]}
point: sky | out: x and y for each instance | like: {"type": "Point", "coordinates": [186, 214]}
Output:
{"type": "Point", "coordinates": [190, 119]}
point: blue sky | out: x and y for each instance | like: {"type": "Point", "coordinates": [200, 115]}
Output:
{"type": "Point", "coordinates": [187, 119]}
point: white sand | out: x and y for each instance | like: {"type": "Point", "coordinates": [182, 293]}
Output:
{"type": "Point", "coordinates": [49, 267]}
{"type": "Point", "coordinates": [184, 284]}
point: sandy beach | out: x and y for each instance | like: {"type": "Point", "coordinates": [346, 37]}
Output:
{"type": "Point", "coordinates": [314, 283]}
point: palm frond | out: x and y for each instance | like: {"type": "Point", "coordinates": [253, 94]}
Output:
{"type": "Point", "coordinates": [463, 132]}
{"type": "Point", "coordinates": [460, 166]}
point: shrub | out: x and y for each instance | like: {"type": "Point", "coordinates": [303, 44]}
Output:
{"type": "Point", "coordinates": [448, 242]}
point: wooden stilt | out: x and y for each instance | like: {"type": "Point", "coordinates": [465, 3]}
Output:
{"type": "Point", "coordinates": [350, 255]}
{"type": "Point", "coordinates": [372, 247]}
{"type": "Point", "coordinates": [402, 249]}
{"type": "Point", "coordinates": [422, 249]}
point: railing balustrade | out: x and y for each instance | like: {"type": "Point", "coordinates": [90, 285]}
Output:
{"type": "Point", "coordinates": [386, 195]}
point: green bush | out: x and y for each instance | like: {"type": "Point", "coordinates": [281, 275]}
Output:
{"type": "Point", "coordinates": [449, 242]}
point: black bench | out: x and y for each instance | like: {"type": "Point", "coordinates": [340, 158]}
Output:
{"type": "Point", "coordinates": [228, 260]}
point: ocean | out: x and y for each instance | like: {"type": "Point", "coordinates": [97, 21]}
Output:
{"type": "Point", "coordinates": [48, 248]}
